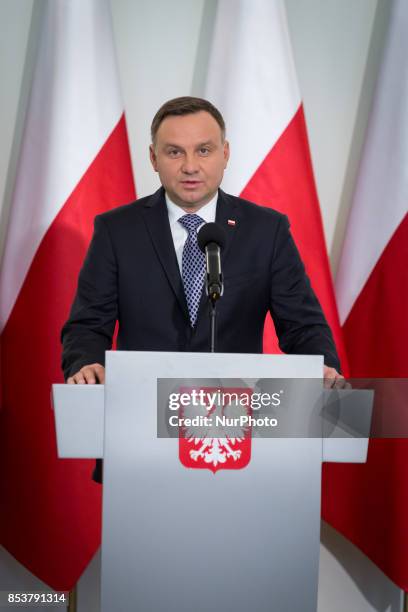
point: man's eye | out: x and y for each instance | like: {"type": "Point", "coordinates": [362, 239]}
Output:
{"type": "Point", "coordinates": [174, 152]}
{"type": "Point", "coordinates": [204, 151]}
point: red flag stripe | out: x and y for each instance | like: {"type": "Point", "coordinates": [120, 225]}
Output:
{"type": "Point", "coordinates": [357, 499]}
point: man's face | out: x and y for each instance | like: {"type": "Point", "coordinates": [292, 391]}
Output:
{"type": "Point", "coordinates": [190, 157]}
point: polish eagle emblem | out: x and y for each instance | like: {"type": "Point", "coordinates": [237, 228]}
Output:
{"type": "Point", "coordinates": [218, 440]}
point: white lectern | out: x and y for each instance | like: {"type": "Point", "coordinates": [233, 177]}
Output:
{"type": "Point", "coordinates": [179, 538]}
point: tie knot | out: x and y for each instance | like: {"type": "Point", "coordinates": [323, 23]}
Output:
{"type": "Point", "coordinates": [191, 222]}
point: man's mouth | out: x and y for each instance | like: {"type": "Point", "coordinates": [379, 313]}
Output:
{"type": "Point", "coordinates": [190, 184]}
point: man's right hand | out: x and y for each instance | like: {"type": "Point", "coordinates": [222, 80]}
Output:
{"type": "Point", "coordinates": [88, 375]}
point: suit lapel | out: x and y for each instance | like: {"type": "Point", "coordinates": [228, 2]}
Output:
{"type": "Point", "coordinates": [157, 222]}
{"type": "Point", "coordinates": [227, 216]}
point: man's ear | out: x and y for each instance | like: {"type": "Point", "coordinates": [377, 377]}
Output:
{"type": "Point", "coordinates": [226, 152]}
{"type": "Point", "coordinates": [153, 158]}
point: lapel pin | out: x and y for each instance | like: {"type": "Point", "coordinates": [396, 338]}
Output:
{"type": "Point", "coordinates": [231, 222]}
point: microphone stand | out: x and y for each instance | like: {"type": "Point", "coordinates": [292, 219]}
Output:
{"type": "Point", "coordinates": [211, 240]}
{"type": "Point", "coordinates": [215, 289]}
{"type": "Point", "coordinates": [213, 324]}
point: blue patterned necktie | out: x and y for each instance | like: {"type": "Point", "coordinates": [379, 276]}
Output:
{"type": "Point", "coordinates": [192, 265]}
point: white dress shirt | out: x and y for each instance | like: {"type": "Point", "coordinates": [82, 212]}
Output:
{"type": "Point", "coordinates": [178, 232]}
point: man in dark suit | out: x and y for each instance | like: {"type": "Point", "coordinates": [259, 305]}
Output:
{"type": "Point", "coordinates": [143, 267]}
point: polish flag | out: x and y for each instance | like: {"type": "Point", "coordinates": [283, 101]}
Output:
{"type": "Point", "coordinates": [74, 163]}
{"type": "Point", "coordinates": [369, 503]}
{"type": "Point", "coordinates": [252, 80]}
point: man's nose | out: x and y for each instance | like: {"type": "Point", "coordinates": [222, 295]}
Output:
{"type": "Point", "coordinates": [190, 164]}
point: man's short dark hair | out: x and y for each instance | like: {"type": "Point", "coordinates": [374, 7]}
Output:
{"type": "Point", "coordinates": [186, 105]}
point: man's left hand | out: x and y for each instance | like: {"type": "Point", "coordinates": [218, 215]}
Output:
{"type": "Point", "coordinates": [332, 379]}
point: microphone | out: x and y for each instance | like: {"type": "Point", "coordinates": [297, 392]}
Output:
{"type": "Point", "coordinates": [211, 239]}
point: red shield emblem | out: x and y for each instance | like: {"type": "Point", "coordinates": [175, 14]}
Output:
{"type": "Point", "coordinates": [213, 434]}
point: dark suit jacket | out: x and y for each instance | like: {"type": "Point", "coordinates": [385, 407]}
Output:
{"type": "Point", "coordinates": [131, 275]}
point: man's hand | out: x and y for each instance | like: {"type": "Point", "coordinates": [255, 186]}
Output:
{"type": "Point", "coordinates": [332, 379]}
{"type": "Point", "coordinates": [88, 375]}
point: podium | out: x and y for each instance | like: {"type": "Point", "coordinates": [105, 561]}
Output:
{"type": "Point", "coordinates": [178, 538]}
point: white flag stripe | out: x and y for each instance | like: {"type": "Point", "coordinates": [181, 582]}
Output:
{"type": "Point", "coordinates": [381, 197]}
{"type": "Point", "coordinates": [249, 39]}
{"type": "Point", "coordinates": [73, 124]}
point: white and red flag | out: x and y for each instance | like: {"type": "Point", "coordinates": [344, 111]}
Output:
{"type": "Point", "coordinates": [74, 163]}
{"type": "Point", "coordinates": [369, 503]}
{"type": "Point", "coordinates": [252, 80]}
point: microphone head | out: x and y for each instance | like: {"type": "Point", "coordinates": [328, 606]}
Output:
{"type": "Point", "coordinates": [211, 232]}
